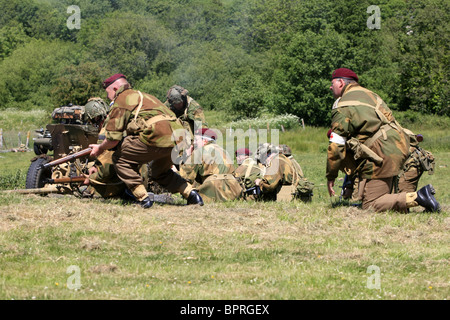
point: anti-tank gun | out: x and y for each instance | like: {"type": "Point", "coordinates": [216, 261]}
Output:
{"type": "Point", "coordinates": [73, 129]}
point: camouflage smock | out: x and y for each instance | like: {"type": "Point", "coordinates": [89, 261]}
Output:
{"type": "Point", "coordinates": [355, 117]}
{"type": "Point", "coordinates": [248, 171]}
{"type": "Point", "coordinates": [277, 172]}
{"type": "Point", "coordinates": [122, 113]}
{"type": "Point", "coordinates": [212, 175]}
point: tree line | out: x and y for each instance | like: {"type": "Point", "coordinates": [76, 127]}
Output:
{"type": "Point", "coordinates": [246, 56]}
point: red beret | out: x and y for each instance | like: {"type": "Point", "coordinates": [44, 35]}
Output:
{"type": "Point", "coordinates": [344, 73]}
{"type": "Point", "coordinates": [243, 151]}
{"type": "Point", "coordinates": [111, 79]}
{"type": "Point", "coordinates": [206, 132]}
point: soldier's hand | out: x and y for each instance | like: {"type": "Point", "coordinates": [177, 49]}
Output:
{"type": "Point", "coordinates": [330, 186]}
{"type": "Point", "coordinates": [96, 151]}
{"type": "Point", "coordinates": [91, 171]}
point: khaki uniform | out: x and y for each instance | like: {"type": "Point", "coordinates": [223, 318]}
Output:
{"type": "Point", "coordinates": [212, 175]}
{"type": "Point", "coordinates": [144, 126]}
{"type": "Point", "coordinates": [377, 143]}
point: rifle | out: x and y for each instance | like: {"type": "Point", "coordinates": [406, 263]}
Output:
{"type": "Point", "coordinates": [70, 157]}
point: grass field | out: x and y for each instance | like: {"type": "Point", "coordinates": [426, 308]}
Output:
{"type": "Point", "coordinates": [62, 247]}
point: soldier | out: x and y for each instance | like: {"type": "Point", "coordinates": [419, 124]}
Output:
{"type": "Point", "coordinates": [301, 188]}
{"type": "Point", "coordinates": [96, 111]}
{"type": "Point", "coordinates": [242, 154]}
{"type": "Point", "coordinates": [363, 124]}
{"type": "Point", "coordinates": [140, 129]}
{"type": "Point", "coordinates": [210, 169]}
{"type": "Point", "coordinates": [277, 172]}
{"type": "Point", "coordinates": [185, 108]}
{"type": "Point", "coordinates": [102, 177]}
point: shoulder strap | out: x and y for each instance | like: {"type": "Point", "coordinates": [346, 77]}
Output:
{"type": "Point", "coordinates": [249, 170]}
{"type": "Point", "coordinates": [140, 105]}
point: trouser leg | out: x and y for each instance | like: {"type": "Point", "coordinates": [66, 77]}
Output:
{"type": "Point", "coordinates": [376, 195]}
{"type": "Point", "coordinates": [163, 174]}
{"type": "Point", "coordinates": [410, 180]}
{"type": "Point", "coordinates": [133, 153]}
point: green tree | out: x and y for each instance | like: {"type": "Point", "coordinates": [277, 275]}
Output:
{"type": "Point", "coordinates": [302, 75]}
{"type": "Point", "coordinates": [248, 96]}
{"type": "Point", "coordinates": [29, 73]}
{"type": "Point", "coordinates": [77, 83]}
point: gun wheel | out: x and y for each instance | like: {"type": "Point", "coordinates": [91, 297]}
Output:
{"type": "Point", "coordinates": [36, 176]}
{"type": "Point", "coordinates": [38, 149]}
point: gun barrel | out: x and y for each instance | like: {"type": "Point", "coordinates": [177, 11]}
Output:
{"type": "Point", "coordinates": [70, 157]}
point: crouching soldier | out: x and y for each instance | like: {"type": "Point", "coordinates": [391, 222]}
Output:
{"type": "Point", "coordinates": [280, 179]}
{"type": "Point", "coordinates": [210, 169]}
{"type": "Point", "coordinates": [300, 188]}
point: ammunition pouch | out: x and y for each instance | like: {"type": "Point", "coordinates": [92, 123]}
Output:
{"type": "Point", "coordinates": [422, 159]}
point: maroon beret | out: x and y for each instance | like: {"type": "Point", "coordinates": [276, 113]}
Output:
{"type": "Point", "coordinates": [206, 132]}
{"type": "Point", "coordinates": [243, 151]}
{"type": "Point", "coordinates": [344, 73]}
{"type": "Point", "coordinates": [111, 79]}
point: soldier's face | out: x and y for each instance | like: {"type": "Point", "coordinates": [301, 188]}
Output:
{"type": "Point", "coordinates": [178, 106]}
{"type": "Point", "coordinates": [198, 141]}
{"type": "Point", "coordinates": [240, 158]}
{"type": "Point", "coordinates": [336, 87]}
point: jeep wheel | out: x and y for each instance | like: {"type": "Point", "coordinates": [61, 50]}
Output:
{"type": "Point", "coordinates": [36, 176]}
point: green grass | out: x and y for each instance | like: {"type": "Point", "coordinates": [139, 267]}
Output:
{"type": "Point", "coordinates": [233, 250]}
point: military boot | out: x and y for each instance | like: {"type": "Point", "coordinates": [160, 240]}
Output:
{"type": "Point", "coordinates": [145, 203]}
{"type": "Point", "coordinates": [194, 198]}
{"type": "Point", "coordinates": [426, 199]}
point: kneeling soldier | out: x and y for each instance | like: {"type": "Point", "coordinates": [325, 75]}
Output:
{"type": "Point", "coordinates": [210, 169]}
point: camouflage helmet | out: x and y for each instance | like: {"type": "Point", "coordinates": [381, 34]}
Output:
{"type": "Point", "coordinates": [96, 107]}
{"type": "Point", "coordinates": [265, 150]}
{"type": "Point", "coordinates": [284, 149]}
{"type": "Point", "coordinates": [176, 94]}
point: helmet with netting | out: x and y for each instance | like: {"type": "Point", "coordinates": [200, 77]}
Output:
{"type": "Point", "coordinates": [96, 109]}
{"type": "Point", "coordinates": [176, 94]}
{"type": "Point", "coordinates": [264, 151]}
{"type": "Point", "coordinates": [284, 149]}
